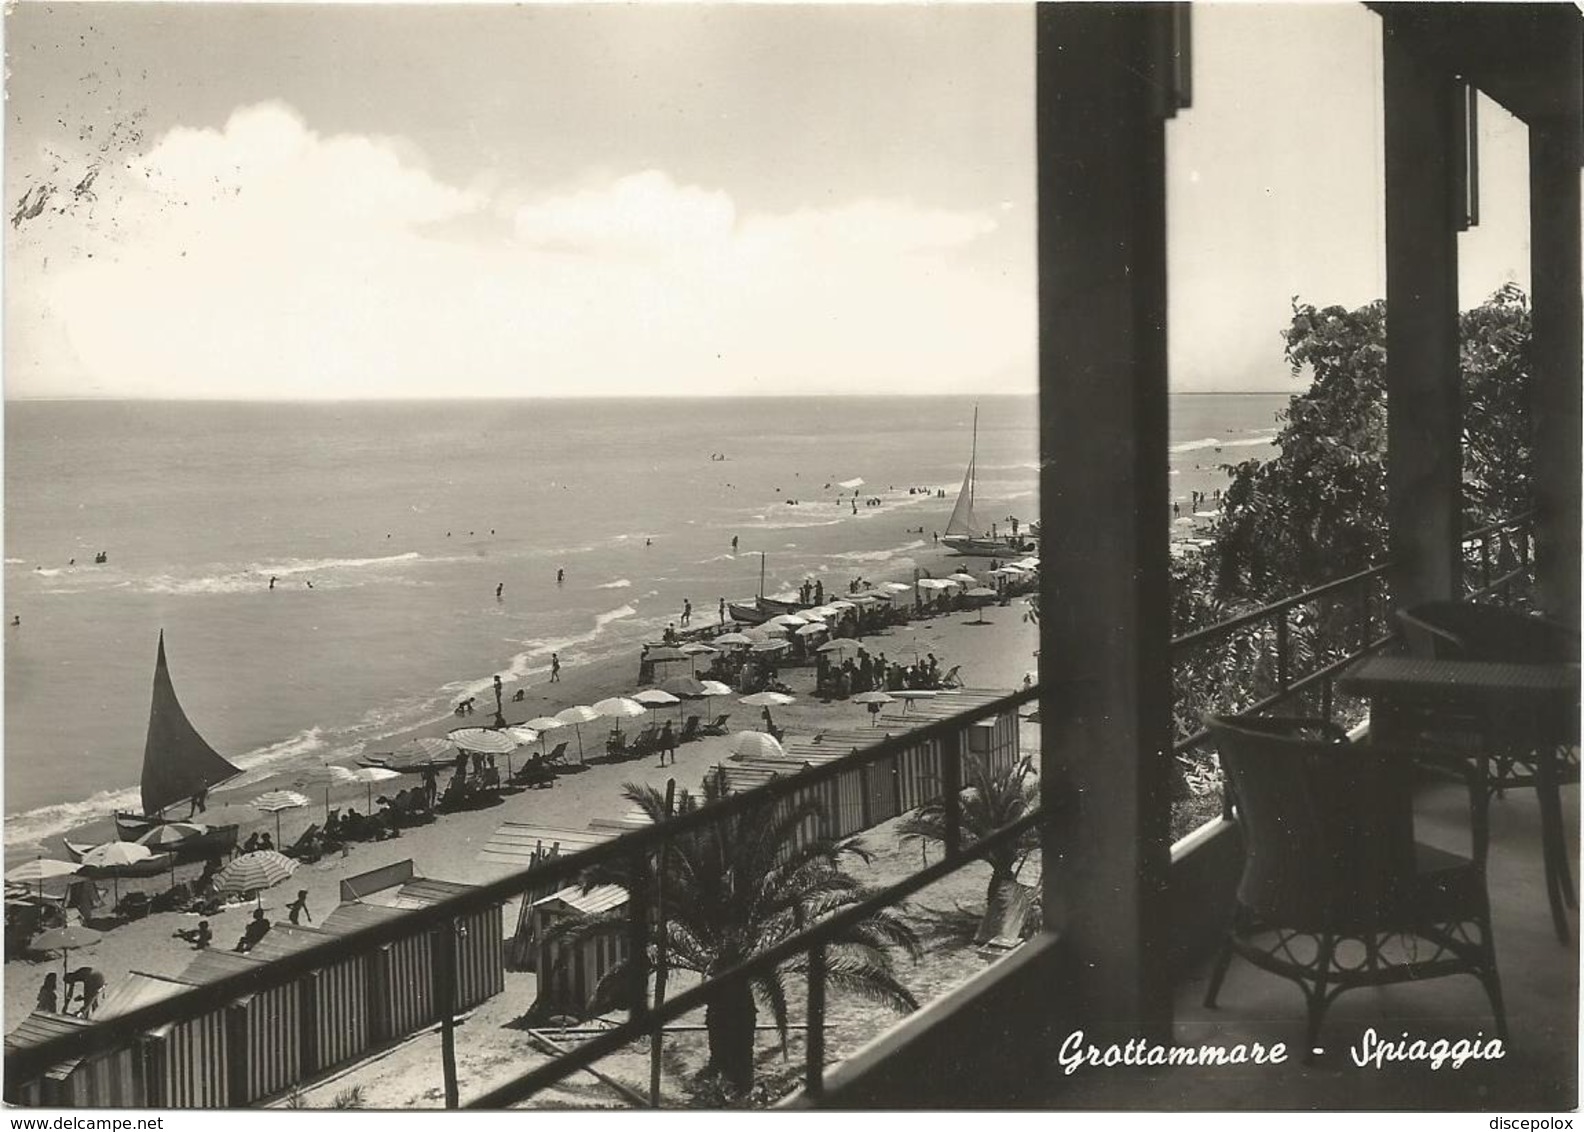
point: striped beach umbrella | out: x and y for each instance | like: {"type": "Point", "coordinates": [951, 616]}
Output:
{"type": "Point", "coordinates": [275, 801]}
{"type": "Point", "coordinates": [254, 871]}
{"type": "Point", "coordinates": [113, 855]}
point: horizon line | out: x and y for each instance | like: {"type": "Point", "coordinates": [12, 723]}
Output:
{"type": "Point", "coordinates": [481, 399]}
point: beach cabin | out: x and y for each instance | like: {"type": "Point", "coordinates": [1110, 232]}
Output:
{"type": "Point", "coordinates": [184, 1062]}
{"type": "Point", "coordinates": [521, 845]}
{"type": "Point", "coordinates": [401, 975]}
{"type": "Point", "coordinates": [333, 1002]}
{"type": "Point", "coordinates": [110, 1080]}
{"type": "Point", "coordinates": [846, 800]}
{"type": "Point", "coordinates": [994, 740]}
{"type": "Point", "coordinates": [263, 1030]}
{"type": "Point", "coordinates": [570, 971]}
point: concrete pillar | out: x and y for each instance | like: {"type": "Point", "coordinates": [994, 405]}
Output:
{"type": "Point", "coordinates": [1554, 159]}
{"type": "Point", "coordinates": [1424, 422]}
{"type": "Point", "coordinates": [1105, 623]}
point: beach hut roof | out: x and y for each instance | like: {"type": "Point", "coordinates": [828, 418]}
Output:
{"type": "Point", "coordinates": [209, 965]}
{"type": "Point", "coordinates": [36, 1029]}
{"type": "Point", "coordinates": [140, 989]}
{"type": "Point", "coordinates": [632, 819]}
{"type": "Point", "coordinates": [420, 892]}
{"type": "Point", "coordinates": [518, 843]}
{"type": "Point", "coordinates": [590, 903]}
{"type": "Point", "coordinates": [350, 917]}
{"type": "Point", "coordinates": [284, 939]}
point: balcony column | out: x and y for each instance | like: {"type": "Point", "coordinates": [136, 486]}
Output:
{"type": "Point", "coordinates": [1105, 622]}
{"type": "Point", "coordinates": [1554, 159]}
{"type": "Point", "coordinates": [1424, 421]}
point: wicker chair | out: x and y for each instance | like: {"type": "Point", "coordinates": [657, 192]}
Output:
{"type": "Point", "coordinates": [1455, 630]}
{"type": "Point", "coordinates": [1335, 893]}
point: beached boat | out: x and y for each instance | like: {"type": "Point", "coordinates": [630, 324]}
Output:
{"type": "Point", "coordinates": [178, 765]}
{"type": "Point", "coordinates": [762, 608]}
{"type": "Point", "coordinates": [964, 533]}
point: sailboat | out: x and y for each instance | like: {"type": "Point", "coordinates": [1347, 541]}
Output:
{"type": "Point", "coordinates": [177, 766]}
{"type": "Point", "coordinates": [763, 608]}
{"type": "Point", "coordinates": [963, 531]}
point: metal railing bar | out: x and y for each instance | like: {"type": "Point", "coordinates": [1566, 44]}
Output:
{"type": "Point", "coordinates": [1231, 624]}
{"type": "Point", "coordinates": [1182, 746]}
{"type": "Point", "coordinates": [503, 1096]}
{"type": "Point", "coordinates": [26, 1064]}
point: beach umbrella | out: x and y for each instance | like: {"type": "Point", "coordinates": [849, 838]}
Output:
{"type": "Point", "coordinates": [964, 577]}
{"type": "Point", "coordinates": [169, 837]}
{"type": "Point", "coordinates": [934, 584]}
{"type": "Point", "coordinates": [838, 644]}
{"type": "Point", "coordinates": [417, 755]}
{"type": "Point", "coordinates": [327, 775]}
{"type": "Point", "coordinates": [577, 717]}
{"type": "Point", "coordinates": [114, 855]}
{"type": "Point", "coordinates": [483, 740]}
{"type": "Point", "coordinates": [874, 700]}
{"type": "Point", "coordinates": [684, 687]}
{"type": "Point", "coordinates": [656, 697]}
{"type": "Point", "coordinates": [980, 593]}
{"type": "Point", "coordinates": [842, 604]}
{"type": "Point", "coordinates": [895, 587]}
{"type": "Point", "coordinates": [734, 639]}
{"type": "Point", "coordinates": [368, 776]}
{"type": "Point", "coordinates": [811, 629]}
{"type": "Point", "coordinates": [263, 868]}
{"type": "Point", "coordinates": [771, 646]}
{"type": "Point", "coordinates": [524, 736]}
{"type": "Point", "coordinates": [619, 708]}
{"type": "Point", "coordinates": [787, 621]}
{"type": "Point", "coordinates": [277, 800]}
{"type": "Point", "coordinates": [40, 869]}
{"type": "Point", "coordinates": [698, 648]}
{"type": "Point", "coordinates": [710, 689]}
{"type": "Point", "coordinates": [767, 700]}
{"type": "Point", "coordinates": [756, 745]}
{"type": "Point", "coordinates": [65, 940]}
{"type": "Point", "coordinates": [542, 724]}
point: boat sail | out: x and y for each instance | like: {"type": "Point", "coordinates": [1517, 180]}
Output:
{"type": "Point", "coordinates": [963, 532]}
{"type": "Point", "coordinates": [178, 765]}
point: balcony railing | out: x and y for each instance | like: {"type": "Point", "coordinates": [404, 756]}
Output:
{"type": "Point", "coordinates": [1293, 649]}
{"type": "Point", "coordinates": [638, 849]}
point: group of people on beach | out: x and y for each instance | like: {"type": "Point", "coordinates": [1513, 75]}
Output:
{"type": "Point", "coordinates": [55, 997]}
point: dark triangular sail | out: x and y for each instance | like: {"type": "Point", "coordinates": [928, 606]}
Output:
{"type": "Point", "coordinates": [177, 763]}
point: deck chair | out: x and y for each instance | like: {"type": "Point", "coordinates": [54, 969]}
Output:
{"type": "Point", "coordinates": [952, 679]}
{"type": "Point", "coordinates": [535, 774]}
{"type": "Point", "coordinates": [718, 727]}
{"type": "Point", "coordinates": [690, 729]}
{"type": "Point", "coordinates": [644, 742]}
{"type": "Point", "coordinates": [306, 847]}
{"type": "Point", "coordinates": [557, 754]}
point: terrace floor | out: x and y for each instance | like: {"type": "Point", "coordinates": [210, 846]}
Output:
{"type": "Point", "coordinates": [1539, 981]}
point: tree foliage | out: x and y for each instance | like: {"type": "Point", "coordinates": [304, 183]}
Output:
{"type": "Point", "coordinates": [736, 888]}
{"type": "Point", "coordinates": [1317, 511]}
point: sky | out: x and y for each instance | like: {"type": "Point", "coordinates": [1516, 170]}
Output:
{"type": "Point", "coordinates": [300, 201]}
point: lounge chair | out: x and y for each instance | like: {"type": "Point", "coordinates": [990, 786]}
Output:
{"type": "Point", "coordinates": [557, 755]}
{"type": "Point", "coordinates": [307, 847]}
{"type": "Point", "coordinates": [644, 742]}
{"type": "Point", "coordinates": [718, 727]}
{"type": "Point", "coordinates": [952, 679]}
{"type": "Point", "coordinates": [535, 774]}
{"type": "Point", "coordinates": [690, 729]}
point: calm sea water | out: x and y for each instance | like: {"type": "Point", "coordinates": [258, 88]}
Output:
{"type": "Point", "coordinates": [405, 518]}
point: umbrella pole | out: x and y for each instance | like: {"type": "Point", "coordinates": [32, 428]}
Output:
{"type": "Point", "coordinates": [277, 831]}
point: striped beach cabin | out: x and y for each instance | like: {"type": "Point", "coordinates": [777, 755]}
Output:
{"type": "Point", "coordinates": [521, 845]}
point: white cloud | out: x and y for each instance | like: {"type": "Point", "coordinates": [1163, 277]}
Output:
{"type": "Point", "coordinates": [268, 260]}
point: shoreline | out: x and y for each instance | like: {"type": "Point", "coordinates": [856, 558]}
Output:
{"type": "Point", "coordinates": [995, 655]}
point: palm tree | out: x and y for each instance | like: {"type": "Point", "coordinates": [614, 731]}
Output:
{"type": "Point", "coordinates": [735, 888]}
{"type": "Point", "coordinates": [990, 800]}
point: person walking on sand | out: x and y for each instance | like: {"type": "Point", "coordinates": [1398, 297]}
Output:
{"type": "Point", "coordinates": [555, 668]}
{"type": "Point", "coordinates": [687, 610]}
{"type": "Point", "coordinates": [723, 611]}
{"type": "Point", "coordinates": [48, 1000]}
{"type": "Point", "coordinates": [299, 907]}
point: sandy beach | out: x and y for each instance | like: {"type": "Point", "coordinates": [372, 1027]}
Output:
{"type": "Point", "coordinates": [994, 655]}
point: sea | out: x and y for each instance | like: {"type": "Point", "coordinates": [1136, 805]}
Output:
{"type": "Point", "coordinates": [389, 528]}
